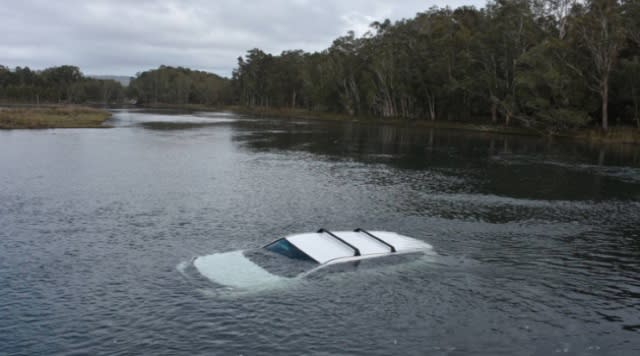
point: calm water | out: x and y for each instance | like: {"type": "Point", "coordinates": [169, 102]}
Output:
{"type": "Point", "coordinates": [539, 241]}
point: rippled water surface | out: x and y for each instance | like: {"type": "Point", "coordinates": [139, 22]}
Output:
{"type": "Point", "coordinates": [538, 242]}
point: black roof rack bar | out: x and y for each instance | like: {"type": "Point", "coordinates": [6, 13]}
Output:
{"type": "Point", "coordinates": [393, 249]}
{"type": "Point", "coordinates": [355, 250]}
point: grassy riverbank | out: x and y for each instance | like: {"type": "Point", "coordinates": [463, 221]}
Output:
{"type": "Point", "coordinates": [52, 117]}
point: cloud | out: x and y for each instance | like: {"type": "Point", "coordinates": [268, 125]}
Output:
{"type": "Point", "coordinates": [123, 37]}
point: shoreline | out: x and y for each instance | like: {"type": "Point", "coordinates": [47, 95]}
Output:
{"type": "Point", "coordinates": [311, 115]}
{"type": "Point", "coordinates": [52, 117]}
{"type": "Point", "coordinates": [46, 116]}
{"type": "Point", "coordinates": [615, 135]}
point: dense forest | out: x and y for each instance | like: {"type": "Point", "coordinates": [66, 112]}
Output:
{"type": "Point", "coordinates": [547, 64]}
{"type": "Point", "coordinates": [63, 84]}
{"type": "Point", "coordinates": [67, 85]}
{"type": "Point", "coordinates": [169, 85]}
{"type": "Point", "coordinates": [551, 64]}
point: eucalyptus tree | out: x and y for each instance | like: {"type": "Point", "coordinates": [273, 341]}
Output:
{"type": "Point", "coordinates": [631, 20]}
{"type": "Point", "coordinates": [628, 73]}
{"type": "Point", "coordinates": [554, 15]}
{"type": "Point", "coordinates": [545, 63]}
{"type": "Point", "coordinates": [381, 52]}
{"type": "Point", "coordinates": [318, 86]}
{"type": "Point", "coordinates": [433, 56]}
{"type": "Point", "coordinates": [290, 75]}
{"type": "Point", "coordinates": [551, 97]}
{"type": "Point", "coordinates": [253, 72]}
{"type": "Point", "coordinates": [599, 34]}
{"type": "Point", "coordinates": [344, 66]}
{"type": "Point", "coordinates": [627, 88]}
{"type": "Point", "coordinates": [511, 33]}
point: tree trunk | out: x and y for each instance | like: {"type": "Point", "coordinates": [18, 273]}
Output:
{"type": "Point", "coordinates": [636, 115]}
{"type": "Point", "coordinates": [431, 102]}
{"type": "Point", "coordinates": [505, 146]}
{"type": "Point", "coordinates": [601, 156]}
{"type": "Point", "coordinates": [605, 103]}
{"type": "Point", "coordinates": [636, 108]}
{"type": "Point", "coordinates": [494, 112]}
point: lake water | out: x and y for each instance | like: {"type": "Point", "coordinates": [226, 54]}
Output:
{"type": "Point", "coordinates": [538, 242]}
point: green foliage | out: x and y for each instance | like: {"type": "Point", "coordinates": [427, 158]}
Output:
{"type": "Point", "coordinates": [64, 84]}
{"type": "Point", "coordinates": [547, 93]}
{"type": "Point", "coordinates": [545, 64]}
{"type": "Point", "coordinates": [181, 86]}
{"type": "Point", "coordinates": [551, 65]}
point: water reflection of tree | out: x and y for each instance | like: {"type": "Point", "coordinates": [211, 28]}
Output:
{"type": "Point", "coordinates": [517, 166]}
{"type": "Point", "coordinates": [354, 140]}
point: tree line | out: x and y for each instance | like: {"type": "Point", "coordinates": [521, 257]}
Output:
{"type": "Point", "coordinates": [67, 84]}
{"type": "Point", "coordinates": [546, 64]}
{"type": "Point", "coordinates": [550, 64]}
{"type": "Point", "coordinates": [179, 86]}
{"type": "Point", "coordinates": [63, 84]}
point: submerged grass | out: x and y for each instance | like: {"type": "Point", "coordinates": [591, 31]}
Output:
{"type": "Point", "coordinates": [313, 115]}
{"type": "Point", "coordinates": [612, 135]}
{"type": "Point", "coordinates": [52, 117]}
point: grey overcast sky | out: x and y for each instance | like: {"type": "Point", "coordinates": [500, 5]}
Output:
{"type": "Point", "coordinates": [122, 37]}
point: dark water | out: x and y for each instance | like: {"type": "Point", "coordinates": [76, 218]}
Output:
{"type": "Point", "coordinates": [539, 241]}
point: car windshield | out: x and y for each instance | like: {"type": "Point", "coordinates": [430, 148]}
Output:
{"type": "Point", "coordinates": [286, 248]}
{"type": "Point", "coordinates": [281, 258]}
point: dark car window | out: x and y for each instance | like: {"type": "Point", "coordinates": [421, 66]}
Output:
{"type": "Point", "coordinates": [281, 258]}
{"type": "Point", "coordinates": [286, 248]}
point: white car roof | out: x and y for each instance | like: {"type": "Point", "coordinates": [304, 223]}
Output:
{"type": "Point", "coordinates": [324, 246]}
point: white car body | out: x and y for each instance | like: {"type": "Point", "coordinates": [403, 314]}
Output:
{"type": "Point", "coordinates": [320, 249]}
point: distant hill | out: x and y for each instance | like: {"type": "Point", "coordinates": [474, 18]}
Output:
{"type": "Point", "coordinates": [124, 80]}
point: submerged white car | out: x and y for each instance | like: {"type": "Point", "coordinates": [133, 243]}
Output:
{"type": "Point", "coordinates": [303, 254]}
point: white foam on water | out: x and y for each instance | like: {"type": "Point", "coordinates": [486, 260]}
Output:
{"type": "Point", "coordinates": [497, 200]}
{"type": "Point", "coordinates": [182, 267]}
{"type": "Point", "coordinates": [624, 173]}
{"type": "Point", "coordinates": [133, 117]}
